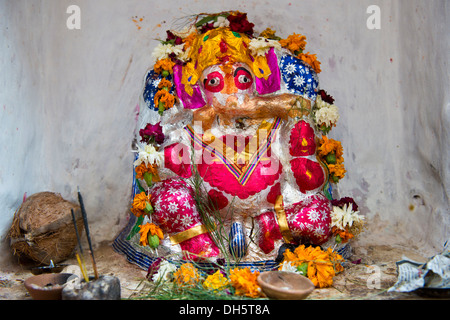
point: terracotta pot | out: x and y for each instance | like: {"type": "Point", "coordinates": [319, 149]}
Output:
{"type": "Point", "coordinates": [285, 285]}
{"type": "Point", "coordinates": [47, 286]}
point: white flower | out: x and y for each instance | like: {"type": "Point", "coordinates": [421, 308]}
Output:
{"type": "Point", "coordinates": [260, 46]}
{"type": "Point", "coordinates": [162, 51]}
{"type": "Point", "coordinates": [345, 216]}
{"type": "Point", "coordinates": [221, 22]}
{"type": "Point", "coordinates": [320, 103]}
{"type": "Point", "coordinates": [149, 156]}
{"type": "Point", "coordinates": [164, 272]}
{"type": "Point", "coordinates": [327, 114]}
{"type": "Point", "coordinates": [288, 267]}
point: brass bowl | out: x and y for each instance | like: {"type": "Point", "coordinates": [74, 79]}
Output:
{"type": "Point", "coordinates": [47, 286]}
{"type": "Point", "coordinates": [284, 285]}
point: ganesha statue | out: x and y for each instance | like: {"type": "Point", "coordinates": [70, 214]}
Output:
{"type": "Point", "coordinates": [231, 155]}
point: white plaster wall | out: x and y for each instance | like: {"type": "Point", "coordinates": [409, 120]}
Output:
{"type": "Point", "coordinates": [68, 102]}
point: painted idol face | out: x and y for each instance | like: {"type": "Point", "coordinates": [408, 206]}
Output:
{"type": "Point", "coordinates": [227, 86]}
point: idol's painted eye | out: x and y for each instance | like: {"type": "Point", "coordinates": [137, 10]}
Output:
{"type": "Point", "coordinates": [214, 82]}
{"type": "Point", "coordinates": [242, 78]}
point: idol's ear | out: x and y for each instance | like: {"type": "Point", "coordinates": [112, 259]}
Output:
{"type": "Point", "coordinates": [273, 82]}
{"type": "Point", "coordinates": [189, 102]}
{"type": "Point", "coordinates": [298, 77]}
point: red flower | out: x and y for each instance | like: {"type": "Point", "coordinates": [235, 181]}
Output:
{"type": "Point", "coordinates": [345, 201]}
{"type": "Point", "coordinates": [239, 23]}
{"type": "Point", "coordinates": [326, 97]}
{"type": "Point", "coordinates": [173, 38]}
{"type": "Point", "coordinates": [152, 131]}
{"type": "Point", "coordinates": [206, 27]}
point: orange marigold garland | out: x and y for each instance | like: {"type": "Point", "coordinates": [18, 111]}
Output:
{"type": "Point", "coordinates": [186, 275]}
{"type": "Point", "coordinates": [244, 282]}
{"type": "Point", "coordinates": [311, 59]}
{"type": "Point", "coordinates": [322, 266]}
{"type": "Point", "coordinates": [164, 67]}
{"type": "Point", "coordinates": [147, 172]}
{"type": "Point", "coordinates": [296, 43]}
{"type": "Point", "coordinates": [331, 153]}
{"type": "Point", "coordinates": [151, 234]}
{"type": "Point", "coordinates": [141, 204]}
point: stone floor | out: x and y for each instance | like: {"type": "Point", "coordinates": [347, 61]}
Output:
{"type": "Point", "coordinates": [367, 280]}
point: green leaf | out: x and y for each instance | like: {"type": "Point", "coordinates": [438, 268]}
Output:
{"type": "Point", "coordinates": [135, 228]}
{"type": "Point", "coordinates": [205, 20]}
{"type": "Point", "coordinates": [139, 186]}
{"type": "Point", "coordinates": [303, 268]}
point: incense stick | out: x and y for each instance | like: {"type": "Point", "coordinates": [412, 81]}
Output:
{"type": "Point", "coordinates": [80, 261]}
{"type": "Point", "coordinates": [86, 227]}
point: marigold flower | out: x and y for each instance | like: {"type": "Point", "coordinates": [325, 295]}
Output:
{"type": "Point", "coordinates": [269, 34]}
{"type": "Point", "coordinates": [141, 202]}
{"type": "Point", "coordinates": [344, 235]}
{"type": "Point", "coordinates": [144, 168]}
{"type": "Point", "coordinates": [294, 42]}
{"type": "Point", "coordinates": [149, 228]}
{"type": "Point", "coordinates": [337, 170]}
{"type": "Point", "coordinates": [165, 97]}
{"type": "Point", "coordinates": [311, 59]}
{"type": "Point", "coordinates": [164, 65]}
{"type": "Point", "coordinates": [330, 146]}
{"type": "Point", "coordinates": [322, 265]}
{"type": "Point", "coordinates": [244, 282]}
{"type": "Point", "coordinates": [164, 83]}
{"type": "Point", "coordinates": [216, 281]}
{"type": "Point", "coordinates": [187, 274]}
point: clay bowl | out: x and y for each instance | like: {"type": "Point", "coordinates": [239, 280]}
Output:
{"type": "Point", "coordinates": [284, 285]}
{"type": "Point", "coordinates": [47, 286]}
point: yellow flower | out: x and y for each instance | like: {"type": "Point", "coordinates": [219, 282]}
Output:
{"type": "Point", "coordinates": [268, 33]}
{"type": "Point", "coordinates": [244, 282]}
{"type": "Point", "coordinates": [294, 42]}
{"type": "Point", "coordinates": [147, 228]}
{"type": "Point", "coordinates": [187, 274]}
{"type": "Point", "coordinates": [322, 265]}
{"type": "Point", "coordinates": [216, 281]}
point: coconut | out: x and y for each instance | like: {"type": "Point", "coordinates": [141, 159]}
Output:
{"type": "Point", "coordinates": [43, 230]}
